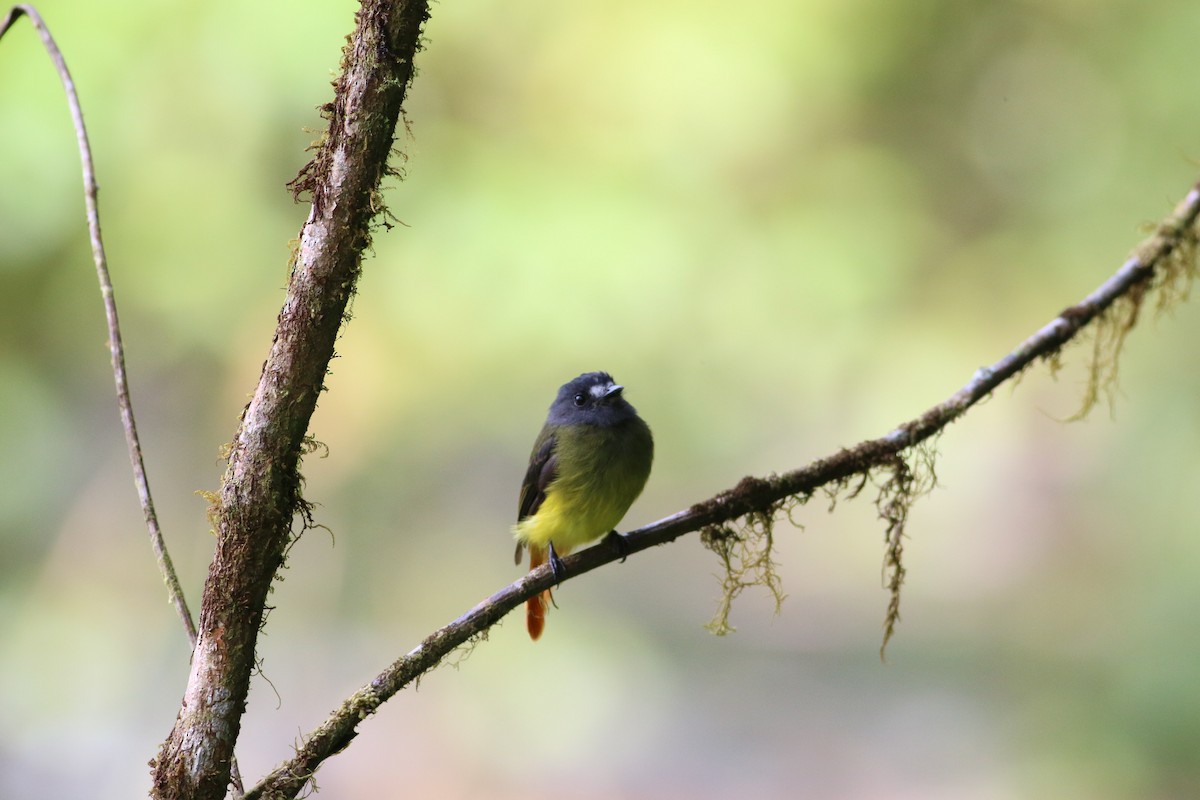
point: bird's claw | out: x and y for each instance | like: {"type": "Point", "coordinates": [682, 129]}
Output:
{"type": "Point", "coordinates": [557, 567]}
{"type": "Point", "coordinates": [620, 542]}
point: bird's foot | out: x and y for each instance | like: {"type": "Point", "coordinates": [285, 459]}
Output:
{"type": "Point", "coordinates": [620, 542]}
{"type": "Point", "coordinates": [557, 567]}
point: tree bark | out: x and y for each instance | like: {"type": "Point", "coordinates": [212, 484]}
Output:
{"type": "Point", "coordinates": [260, 494]}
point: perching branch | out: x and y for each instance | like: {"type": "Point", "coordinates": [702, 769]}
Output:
{"type": "Point", "coordinates": [260, 493]}
{"type": "Point", "coordinates": [1165, 261]}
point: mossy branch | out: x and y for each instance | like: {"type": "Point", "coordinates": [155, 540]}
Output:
{"type": "Point", "coordinates": [260, 497]}
{"type": "Point", "coordinates": [900, 464]}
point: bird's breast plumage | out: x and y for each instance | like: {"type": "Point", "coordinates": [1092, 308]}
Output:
{"type": "Point", "coordinates": [602, 470]}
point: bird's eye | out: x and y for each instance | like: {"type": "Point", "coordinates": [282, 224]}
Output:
{"type": "Point", "coordinates": [580, 400]}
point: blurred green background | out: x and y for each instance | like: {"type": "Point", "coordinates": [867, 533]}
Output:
{"type": "Point", "coordinates": [784, 226]}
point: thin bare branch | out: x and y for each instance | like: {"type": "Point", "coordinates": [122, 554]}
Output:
{"type": "Point", "coordinates": [750, 496]}
{"type": "Point", "coordinates": [116, 347]}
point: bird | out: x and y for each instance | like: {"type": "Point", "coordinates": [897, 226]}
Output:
{"type": "Point", "coordinates": [589, 463]}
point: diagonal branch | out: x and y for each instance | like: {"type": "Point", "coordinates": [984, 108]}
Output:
{"type": "Point", "coordinates": [260, 493]}
{"type": "Point", "coordinates": [1155, 263]}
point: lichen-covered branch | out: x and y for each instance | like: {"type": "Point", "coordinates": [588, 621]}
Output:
{"type": "Point", "coordinates": [900, 462]}
{"type": "Point", "coordinates": [260, 493]}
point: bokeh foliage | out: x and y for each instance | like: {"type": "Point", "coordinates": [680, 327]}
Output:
{"type": "Point", "coordinates": [784, 226]}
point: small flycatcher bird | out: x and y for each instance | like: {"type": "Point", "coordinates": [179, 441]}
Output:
{"type": "Point", "coordinates": [588, 465]}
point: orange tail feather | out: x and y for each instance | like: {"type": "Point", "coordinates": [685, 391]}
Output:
{"type": "Point", "coordinates": [535, 607]}
{"type": "Point", "coordinates": [535, 616]}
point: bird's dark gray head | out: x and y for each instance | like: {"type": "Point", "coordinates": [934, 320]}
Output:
{"type": "Point", "coordinates": [591, 399]}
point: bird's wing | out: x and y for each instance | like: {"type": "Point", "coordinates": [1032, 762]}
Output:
{"type": "Point", "coordinates": [543, 469]}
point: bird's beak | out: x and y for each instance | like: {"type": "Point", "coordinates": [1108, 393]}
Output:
{"type": "Point", "coordinates": [613, 390]}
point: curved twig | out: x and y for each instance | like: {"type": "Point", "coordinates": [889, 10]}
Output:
{"type": "Point", "coordinates": [751, 495]}
{"type": "Point", "coordinates": [117, 349]}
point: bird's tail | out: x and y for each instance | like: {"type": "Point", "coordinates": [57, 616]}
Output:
{"type": "Point", "coordinates": [535, 607]}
